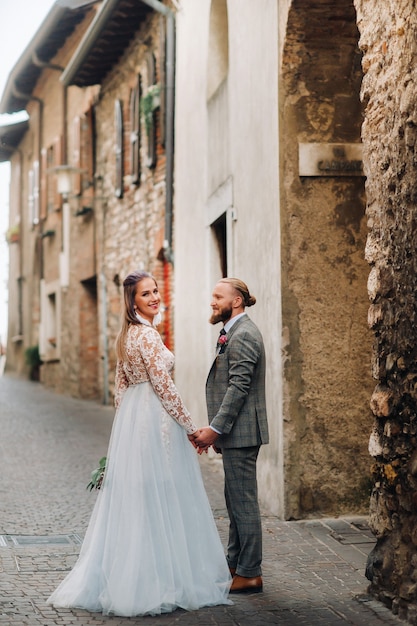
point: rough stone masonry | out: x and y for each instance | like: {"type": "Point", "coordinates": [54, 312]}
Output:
{"type": "Point", "coordinates": [389, 93]}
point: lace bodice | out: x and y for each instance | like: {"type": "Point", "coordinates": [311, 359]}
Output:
{"type": "Point", "coordinates": [148, 359]}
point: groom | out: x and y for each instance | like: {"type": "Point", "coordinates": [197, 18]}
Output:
{"type": "Point", "coordinates": [235, 395]}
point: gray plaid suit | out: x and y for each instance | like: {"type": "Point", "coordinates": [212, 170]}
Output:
{"type": "Point", "coordinates": [235, 395]}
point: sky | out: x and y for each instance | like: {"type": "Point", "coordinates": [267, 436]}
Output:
{"type": "Point", "coordinates": [20, 19]}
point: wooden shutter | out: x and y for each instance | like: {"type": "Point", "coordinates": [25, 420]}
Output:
{"type": "Point", "coordinates": [88, 156]}
{"type": "Point", "coordinates": [135, 132]}
{"type": "Point", "coordinates": [118, 123]}
{"type": "Point", "coordinates": [36, 185]}
{"type": "Point", "coordinates": [44, 184]}
{"type": "Point", "coordinates": [58, 151]}
{"type": "Point", "coordinates": [76, 155]}
{"type": "Point", "coordinates": [30, 196]}
{"type": "Point", "coordinates": [88, 146]}
{"type": "Point", "coordinates": [162, 78]}
{"type": "Point", "coordinates": [151, 131]}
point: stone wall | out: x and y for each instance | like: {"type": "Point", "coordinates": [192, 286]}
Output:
{"type": "Point", "coordinates": [389, 93]}
{"type": "Point", "coordinates": [130, 230]}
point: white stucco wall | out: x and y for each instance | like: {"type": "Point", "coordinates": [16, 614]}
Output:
{"type": "Point", "coordinates": [252, 172]}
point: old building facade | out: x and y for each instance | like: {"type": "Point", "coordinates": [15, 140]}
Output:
{"type": "Point", "coordinates": [75, 248]}
{"type": "Point", "coordinates": [255, 115]}
{"type": "Point", "coordinates": [127, 57]}
{"type": "Point", "coordinates": [40, 294]}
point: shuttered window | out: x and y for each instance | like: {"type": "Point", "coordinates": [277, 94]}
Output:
{"type": "Point", "coordinates": [57, 156]}
{"type": "Point", "coordinates": [35, 183]}
{"type": "Point", "coordinates": [44, 184]}
{"type": "Point", "coordinates": [135, 132]}
{"type": "Point", "coordinates": [151, 129]}
{"type": "Point", "coordinates": [118, 122]}
{"type": "Point", "coordinates": [87, 147]}
{"type": "Point", "coordinates": [162, 80]}
{"type": "Point", "coordinates": [30, 196]}
{"type": "Point", "coordinates": [76, 155]}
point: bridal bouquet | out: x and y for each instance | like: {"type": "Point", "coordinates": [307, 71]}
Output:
{"type": "Point", "coordinates": [97, 475]}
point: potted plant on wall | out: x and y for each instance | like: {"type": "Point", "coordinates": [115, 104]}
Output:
{"type": "Point", "coordinates": [13, 234]}
{"type": "Point", "coordinates": [150, 102]}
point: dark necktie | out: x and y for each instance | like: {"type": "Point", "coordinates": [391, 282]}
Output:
{"type": "Point", "coordinates": [219, 344]}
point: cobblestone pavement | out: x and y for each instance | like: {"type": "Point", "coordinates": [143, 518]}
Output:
{"type": "Point", "coordinates": [313, 570]}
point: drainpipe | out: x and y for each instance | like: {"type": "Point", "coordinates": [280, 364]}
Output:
{"type": "Point", "coordinates": [20, 312]}
{"type": "Point", "coordinates": [104, 321]}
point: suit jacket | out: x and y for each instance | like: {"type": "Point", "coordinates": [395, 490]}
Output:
{"type": "Point", "coordinates": [235, 388]}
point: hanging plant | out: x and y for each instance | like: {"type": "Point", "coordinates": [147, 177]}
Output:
{"type": "Point", "coordinates": [148, 104]}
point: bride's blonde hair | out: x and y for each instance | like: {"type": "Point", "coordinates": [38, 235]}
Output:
{"type": "Point", "coordinates": [130, 288]}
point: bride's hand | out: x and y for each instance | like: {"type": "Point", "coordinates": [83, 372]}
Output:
{"type": "Point", "coordinates": [192, 437]}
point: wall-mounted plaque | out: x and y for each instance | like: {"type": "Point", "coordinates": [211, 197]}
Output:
{"type": "Point", "coordinates": [330, 159]}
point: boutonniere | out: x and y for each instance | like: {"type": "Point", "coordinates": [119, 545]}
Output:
{"type": "Point", "coordinates": [222, 342]}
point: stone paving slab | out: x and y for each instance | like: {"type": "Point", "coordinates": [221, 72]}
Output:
{"type": "Point", "coordinates": [313, 569]}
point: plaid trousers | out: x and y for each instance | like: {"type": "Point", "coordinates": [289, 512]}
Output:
{"type": "Point", "coordinates": [244, 550]}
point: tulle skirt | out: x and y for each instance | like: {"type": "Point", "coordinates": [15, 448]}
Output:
{"type": "Point", "coordinates": [152, 544]}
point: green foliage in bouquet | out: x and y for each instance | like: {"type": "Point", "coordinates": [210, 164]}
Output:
{"type": "Point", "coordinates": [97, 475]}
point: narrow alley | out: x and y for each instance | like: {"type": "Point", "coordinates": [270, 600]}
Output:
{"type": "Point", "coordinates": [313, 570]}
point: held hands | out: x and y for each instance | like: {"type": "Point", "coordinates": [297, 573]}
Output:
{"type": "Point", "coordinates": [202, 439]}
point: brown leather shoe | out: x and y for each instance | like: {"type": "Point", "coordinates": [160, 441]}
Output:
{"type": "Point", "coordinates": [241, 584]}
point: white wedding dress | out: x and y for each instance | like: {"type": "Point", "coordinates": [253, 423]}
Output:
{"type": "Point", "coordinates": [152, 544]}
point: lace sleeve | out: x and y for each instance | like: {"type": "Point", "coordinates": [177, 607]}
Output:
{"type": "Point", "coordinates": [151, 344]}
{"type": "Point", "coordinates": [120, 384]}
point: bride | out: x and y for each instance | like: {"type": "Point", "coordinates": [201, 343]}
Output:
{"type": "Point", "coordinates": [152, 544]}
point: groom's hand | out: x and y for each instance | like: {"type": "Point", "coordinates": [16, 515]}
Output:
{"type": "Point", "coordinates": [205, 438]}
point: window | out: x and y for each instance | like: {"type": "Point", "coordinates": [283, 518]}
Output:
{"type": "Point", "coordinates": [218, 49]}
{"type": "Point", "coordinates": [50, 200]}
{"type": "Point", "coordinates": [33, 195]}
{"type": "Point", "coordinates": [118, 122]}
{"type": "Point", "coordinates": [88, 153]}
{"type": "Point", "coordinates": [162, 80]}
{"type": "Point", "coordinates": [54, 198]}
{"type": "Point", "coordinates": [219, 231]}
{"type": "Point", "coordinates": [49, 330]}
{"type": "Point", "coordinates": [44, 183]}
{"type": "Point", "coordinates": [135, 132]}
{"type": "Point", "coordinates": [151, 126]}
{"type": "Point", "coordinates": [76, 155]}
{"type": "Point", "coordinates": [83, 152]}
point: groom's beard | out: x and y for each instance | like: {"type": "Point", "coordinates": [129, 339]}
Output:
{"type": "Point", "coordinates": [221, 316]}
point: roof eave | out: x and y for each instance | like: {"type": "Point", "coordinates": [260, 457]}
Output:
{"type": "Point", "coordinates": [73, 74]}
{"type": "Point", "coordinates": [10, 137]}
{"type": "Point", "coordinates": [88, 42]}
{"type": "Point", "coordinates": [29, 57]}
